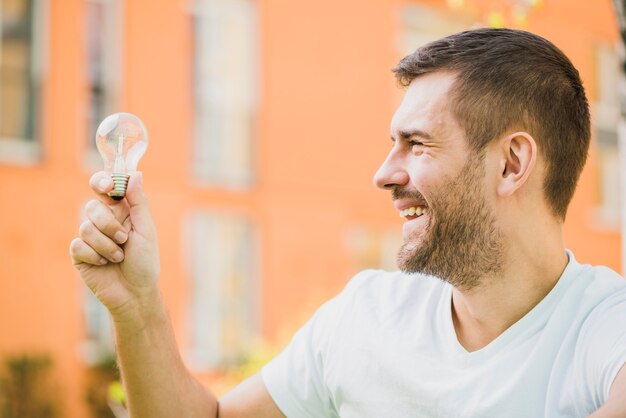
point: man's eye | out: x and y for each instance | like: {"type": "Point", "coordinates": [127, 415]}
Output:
{"type": "Point", "coordinates": [415, 145]}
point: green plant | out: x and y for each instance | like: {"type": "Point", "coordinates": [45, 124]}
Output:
{"type": "Point", "coordinates": [100, 377]}
{"type": "Point", "coordinates": [25, 388]}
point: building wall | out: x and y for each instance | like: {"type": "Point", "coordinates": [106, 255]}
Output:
{"type": "Point", "coordinates": [326, 96]}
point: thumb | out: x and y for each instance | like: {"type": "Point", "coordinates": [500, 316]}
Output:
{"type": "Point", "coordinates": [140, 215]}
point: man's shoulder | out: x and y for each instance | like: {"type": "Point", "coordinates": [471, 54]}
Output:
{"type": "Point", "coordinates": [600, 282]}
{"type": "Point", "coordinates": [607, 276]}
{"type": "Point", "coordinates": [608, 288]}
{"type": "Point", "coordinates": [599, 297]}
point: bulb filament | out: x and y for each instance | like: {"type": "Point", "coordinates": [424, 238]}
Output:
{"type": "Point", "coordinates": [118, 164]}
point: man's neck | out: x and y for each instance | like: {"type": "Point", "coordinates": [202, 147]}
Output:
{"type": "Point", "coordinates": [482, 314]}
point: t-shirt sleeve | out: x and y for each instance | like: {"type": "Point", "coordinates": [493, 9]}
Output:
{"type": "Point", "coordinates": [295, 378]}
{"type": "Point", "coordinates": [605, 346]}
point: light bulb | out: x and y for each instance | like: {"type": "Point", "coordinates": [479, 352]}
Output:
{"type": "Point", "coordinates": [121, 139]}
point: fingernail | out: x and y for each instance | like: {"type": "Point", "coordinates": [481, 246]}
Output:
{"type": "Point", "coordinates": [104, 183]}
{"type": "Point", "coordinates": [120, 237]}
{"type": "Point", "coordinates": [118, 256]}
{"type": "Point", "coordinates": [103, 261]}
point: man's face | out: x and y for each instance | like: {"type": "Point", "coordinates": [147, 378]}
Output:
{"type": "Point", "coordinates": [437, 185]}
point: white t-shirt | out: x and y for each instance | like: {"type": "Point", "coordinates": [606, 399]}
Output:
{"type": "Point", "coordinates": [386, 347]}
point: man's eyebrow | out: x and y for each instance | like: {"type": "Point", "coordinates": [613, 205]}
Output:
{"type": "Point", "coordinates": [413, 132]}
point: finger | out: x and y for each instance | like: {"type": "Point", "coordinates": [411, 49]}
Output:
{"type": "Point", "coordinates": [127, 224]}
{"type": "Point", "coordinates": [82, 253]}
{"type": "Point", "coordinates": [104, 219]}
{"type": "Point", "coordinates": [102, 244]}
{"type": "Point", "coordinates": [102, 183]}
{"type": "Point", "coordinates": [138, 204]}
{"type": "Point", "coordinates": [120, 211]}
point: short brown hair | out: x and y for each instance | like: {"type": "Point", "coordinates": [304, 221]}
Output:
{"type": "Point", "coordinates": [512, 79]}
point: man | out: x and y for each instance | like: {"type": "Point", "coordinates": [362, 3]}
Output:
{"type": "Point", "coordinates": [490, 316]}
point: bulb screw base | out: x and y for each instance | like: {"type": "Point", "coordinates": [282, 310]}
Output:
{"type": "Point", "coordinates": [120, 182]}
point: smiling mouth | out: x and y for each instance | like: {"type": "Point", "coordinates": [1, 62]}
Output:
{"type": "Point", "coordinates": [413, 212]}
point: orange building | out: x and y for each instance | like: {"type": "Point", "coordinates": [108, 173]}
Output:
{"type": "Point", "coordinates": [267, 121]}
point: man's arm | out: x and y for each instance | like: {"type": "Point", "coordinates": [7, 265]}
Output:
{"type": "Point", "coordinates": [159, 385]}
{"type": "Point", "coordinates": [248, 400]}
{"type": "Point", "coordinates": [156, 382]}
{"type": "Point", "coordinates": [117, 257]}
{"type": "Point", "coordinates": [615, 406]}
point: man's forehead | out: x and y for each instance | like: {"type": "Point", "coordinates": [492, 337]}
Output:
{"type": "Point", "coordinates": [425, 105]}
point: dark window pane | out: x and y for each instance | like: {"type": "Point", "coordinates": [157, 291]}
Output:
{"type": "Point", "coordinates": [17, 86]}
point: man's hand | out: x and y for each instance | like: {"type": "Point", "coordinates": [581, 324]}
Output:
{"type": "Point", "coordinates": [156, 381]}
{"type": "Point", "coordinates": [116, 253]}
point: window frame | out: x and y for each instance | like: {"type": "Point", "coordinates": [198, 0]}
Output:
{"type": "Point", "coordinates": [204, 352]}
{"type": "Point", "coordinates": [206, 100]}
{"type": "Point", "coordinates": [606, 214]}
{"type": "Point", "coordinates": [29, 151]}
{"type": "Point", "coordinates": [112, 46]}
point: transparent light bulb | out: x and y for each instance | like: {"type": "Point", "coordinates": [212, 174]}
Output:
{"type": "Point", "coordinates": [122, 140]}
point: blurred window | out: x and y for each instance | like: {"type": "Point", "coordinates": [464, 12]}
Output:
{"type": "Point", "coordinates": [21, 57]}
{"type": "Point", "coordinates": [606, 113]}
{"type": "Point", "coordinates": [225, 89]}
{"type": "Point", "coordinates": [225, 295]}
{"type": "Point", "coordinates": [103, 44]}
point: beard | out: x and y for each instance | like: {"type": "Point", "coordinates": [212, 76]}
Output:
{"type": "Point", "coordinates": [461, 242]}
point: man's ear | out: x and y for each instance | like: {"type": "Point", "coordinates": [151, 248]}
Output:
{"type": "Point", "coordinates": [518, 157]}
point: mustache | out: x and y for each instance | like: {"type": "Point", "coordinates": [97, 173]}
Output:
{"type": "Point", "coordinates": [408, 194]}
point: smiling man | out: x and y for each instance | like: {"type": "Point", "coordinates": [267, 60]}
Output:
{"type": "Point", "coordinates": [432, 157]}
{"type": "Point", "coordinates": [489, 315]}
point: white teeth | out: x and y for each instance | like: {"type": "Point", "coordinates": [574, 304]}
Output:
{"type": "Point", "coordinates": [415, 210]}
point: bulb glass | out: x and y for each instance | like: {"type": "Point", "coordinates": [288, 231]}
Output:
{"type": "Point", "coordinates": [122, 140]}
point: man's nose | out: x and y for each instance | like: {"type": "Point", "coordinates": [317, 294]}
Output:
{"type": "Point", "coordinates": [391, 174]}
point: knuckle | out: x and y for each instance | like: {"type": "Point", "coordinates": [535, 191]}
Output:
{"type": "Point", "coordinates": [91, 205]}
{"type": "Point", "coordinates": [85, 229]}
{"type": "Point", "coordinates": [93, 181]}
{"type": "Point", "coordinates": [99, 219]}
{"type": "Point", "coordinates": [100, 216]}
{"type": "Point", "coordinates": [75, 245]}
